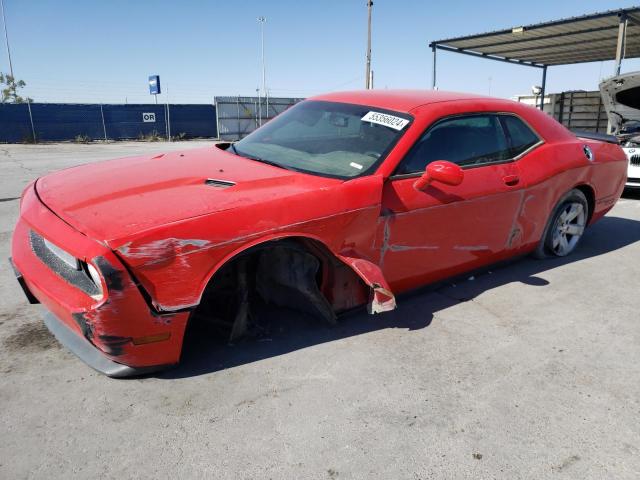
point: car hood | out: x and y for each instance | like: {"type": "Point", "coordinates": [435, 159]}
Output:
{"type": "Point", "coordinates": [621, 99]}
{"type": "Point", "coordinates": [115, 199]}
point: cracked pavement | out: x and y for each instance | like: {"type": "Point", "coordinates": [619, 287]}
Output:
{"type": "Point", "coordinates": [530, 370]}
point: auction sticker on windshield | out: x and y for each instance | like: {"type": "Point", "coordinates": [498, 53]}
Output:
{"type": "Point", "coordinates": [397, 123]}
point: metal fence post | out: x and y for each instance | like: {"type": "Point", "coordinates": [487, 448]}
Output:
{"type": "Point", "coordinates": [166, 90]}
{"type": "Point", "coordinates": [33, 128]}
{"type": "Point", "coordinates": [215, 104]}
{"type": "Point", "coordinates": [255, 106]}
{"type": "Point", "coordinates": [267, 103]}
{"type": "Point", "coordinates": [104, 127]}
{"type": "Point", "coordinates": [238, 105]}
{"type": "Point", "coordinates": [169, 120]}
{"type": "Point", "coordinates": [166, 123]}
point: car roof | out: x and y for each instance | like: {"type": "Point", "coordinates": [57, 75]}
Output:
{"type": "Point", "coordinates": [399, 100]}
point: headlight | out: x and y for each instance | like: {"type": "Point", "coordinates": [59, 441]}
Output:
{"type": "Point", "coordinates": [95, 276]}
{"type": "Point", "coordinates": [76, 272]}
{"type": "Point", "coordinates": [66, 257]}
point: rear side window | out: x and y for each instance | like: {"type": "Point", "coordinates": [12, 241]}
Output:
{"type": "Point", "coordinates": [465, 140]}
{"type": "Point", "coordinates": [521, 137]}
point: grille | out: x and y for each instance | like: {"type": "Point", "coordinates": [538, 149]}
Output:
{"type": "Point", "coordinates": [635, 160]}
{"type": "Point", "coordinates": [77, 278]}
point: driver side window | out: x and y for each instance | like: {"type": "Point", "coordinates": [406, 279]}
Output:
{"type": "Point", "coordinates": [465, 140]}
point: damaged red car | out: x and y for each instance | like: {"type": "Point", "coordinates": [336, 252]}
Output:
{"type": "Point", "coordinates": [344, 200]}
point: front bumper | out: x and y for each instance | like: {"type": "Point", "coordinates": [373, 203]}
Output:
{"type": "Point", "coordinates": [633, 182]}
{"type": "Point", "coordinates": [89, 354]}
{"type": "Point", "coordinates": [23, 285]}
{"type": "Point", "coordinates": [104, 333]}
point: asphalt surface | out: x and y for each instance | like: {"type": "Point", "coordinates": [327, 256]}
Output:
{"type": "Point", "coordinates": [529, 371]}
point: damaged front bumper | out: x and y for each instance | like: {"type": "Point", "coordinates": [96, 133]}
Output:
{"type": "Point", "coordinates": [118, 334]}
{"type": "Point", "coordinates": [89, 354]}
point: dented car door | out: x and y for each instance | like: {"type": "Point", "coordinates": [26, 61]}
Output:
{"type": "Point", "coordinates": [443, 230]}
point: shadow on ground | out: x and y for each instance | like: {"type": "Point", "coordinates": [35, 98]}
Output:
{"type": "Point", "coordinates": [205, 353]}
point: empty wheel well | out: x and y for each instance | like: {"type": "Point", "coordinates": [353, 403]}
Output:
{"type": "Point", "coordinates": [296, 273]}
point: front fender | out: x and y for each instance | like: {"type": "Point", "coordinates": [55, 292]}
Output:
{"type": "Point", "coordinates": [381, 298]}
{"type": "Point", "coordinates": [174, 263]}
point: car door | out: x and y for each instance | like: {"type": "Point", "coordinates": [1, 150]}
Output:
{"type": "Point", "coordinates": [444, 230]}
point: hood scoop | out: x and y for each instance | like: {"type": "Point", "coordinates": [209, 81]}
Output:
{"type": "Point", "coordinates": [215, 183]}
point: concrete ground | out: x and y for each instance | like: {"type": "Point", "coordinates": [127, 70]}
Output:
{"type": "Point", "coordinates": [529, 371]}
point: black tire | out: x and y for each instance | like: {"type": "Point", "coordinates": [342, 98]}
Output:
{"type": "Point", "coordinates": [558, 227]}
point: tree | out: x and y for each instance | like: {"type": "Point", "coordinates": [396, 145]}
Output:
{"type": "Point", "coordinates": [9, 89]}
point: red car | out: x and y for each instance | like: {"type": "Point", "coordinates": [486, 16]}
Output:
{"type": "Point", "coordinates": [345, 199]}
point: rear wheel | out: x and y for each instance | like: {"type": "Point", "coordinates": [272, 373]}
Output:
{"type": "Point", "coordinates": [565, 227]}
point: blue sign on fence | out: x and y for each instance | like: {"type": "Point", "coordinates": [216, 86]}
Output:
{"type": "Point", "coordinates": [154, 84]}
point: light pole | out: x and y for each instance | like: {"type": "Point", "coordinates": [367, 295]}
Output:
{"type": "Point", "coordinates": [367, 77]}
{"type": "Point", "coordinates": [262, 21]}
{"type": "Point", "coordinates": [6, 38]}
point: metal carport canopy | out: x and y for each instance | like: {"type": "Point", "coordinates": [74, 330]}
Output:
{"type": "Point", "coordinates": [610, 35]}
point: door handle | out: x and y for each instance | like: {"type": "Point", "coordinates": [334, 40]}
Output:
{"type": "Point", "coordinates": [511, 180]}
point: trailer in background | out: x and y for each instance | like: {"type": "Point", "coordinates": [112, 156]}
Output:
{"type": "Point", "coordinates": [576, 110]}
{"type": "Point", "coordinates": [238, 116]}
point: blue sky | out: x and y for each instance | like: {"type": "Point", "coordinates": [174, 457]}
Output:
{"type": "Point", "coordinates": [103, 51]}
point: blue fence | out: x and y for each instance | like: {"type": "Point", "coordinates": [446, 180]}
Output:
{"type": "Point", "coordinates": [65, 121]}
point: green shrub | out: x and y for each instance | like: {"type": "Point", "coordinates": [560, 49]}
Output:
{"type": "Point", "coordinates": [82, 139]}
{"type": "Point", "coordinates": [149, 137]}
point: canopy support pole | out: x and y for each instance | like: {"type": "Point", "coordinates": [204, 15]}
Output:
{"type": "Point", "coordinates": [622, 34]}
{"type": "Point", "coordinates": [543, 88]}
{"type": "Point", "coordinates": [433, 73]}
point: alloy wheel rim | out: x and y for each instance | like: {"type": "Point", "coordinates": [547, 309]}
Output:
{"type": "Point", "coordinates": [568, 229]}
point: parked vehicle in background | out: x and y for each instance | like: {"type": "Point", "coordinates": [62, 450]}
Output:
{"type": "Point", "coordinates": [343, 200]}
{"type": "Point", "coordinates": [621, 97]}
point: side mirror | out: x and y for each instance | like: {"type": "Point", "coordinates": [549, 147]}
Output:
{"type": "Point", "coordinates": [440, 171]}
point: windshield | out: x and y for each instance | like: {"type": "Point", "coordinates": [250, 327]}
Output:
{"type": "Point", "coordinates": [326, 138]}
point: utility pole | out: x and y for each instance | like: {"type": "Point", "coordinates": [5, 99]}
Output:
{"type": "Point", "coordinates": [367, 77]}
{"type": "Point", "coordinates": [6, 38]}
{"type": "Point", "coordinates": [262, 21]}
